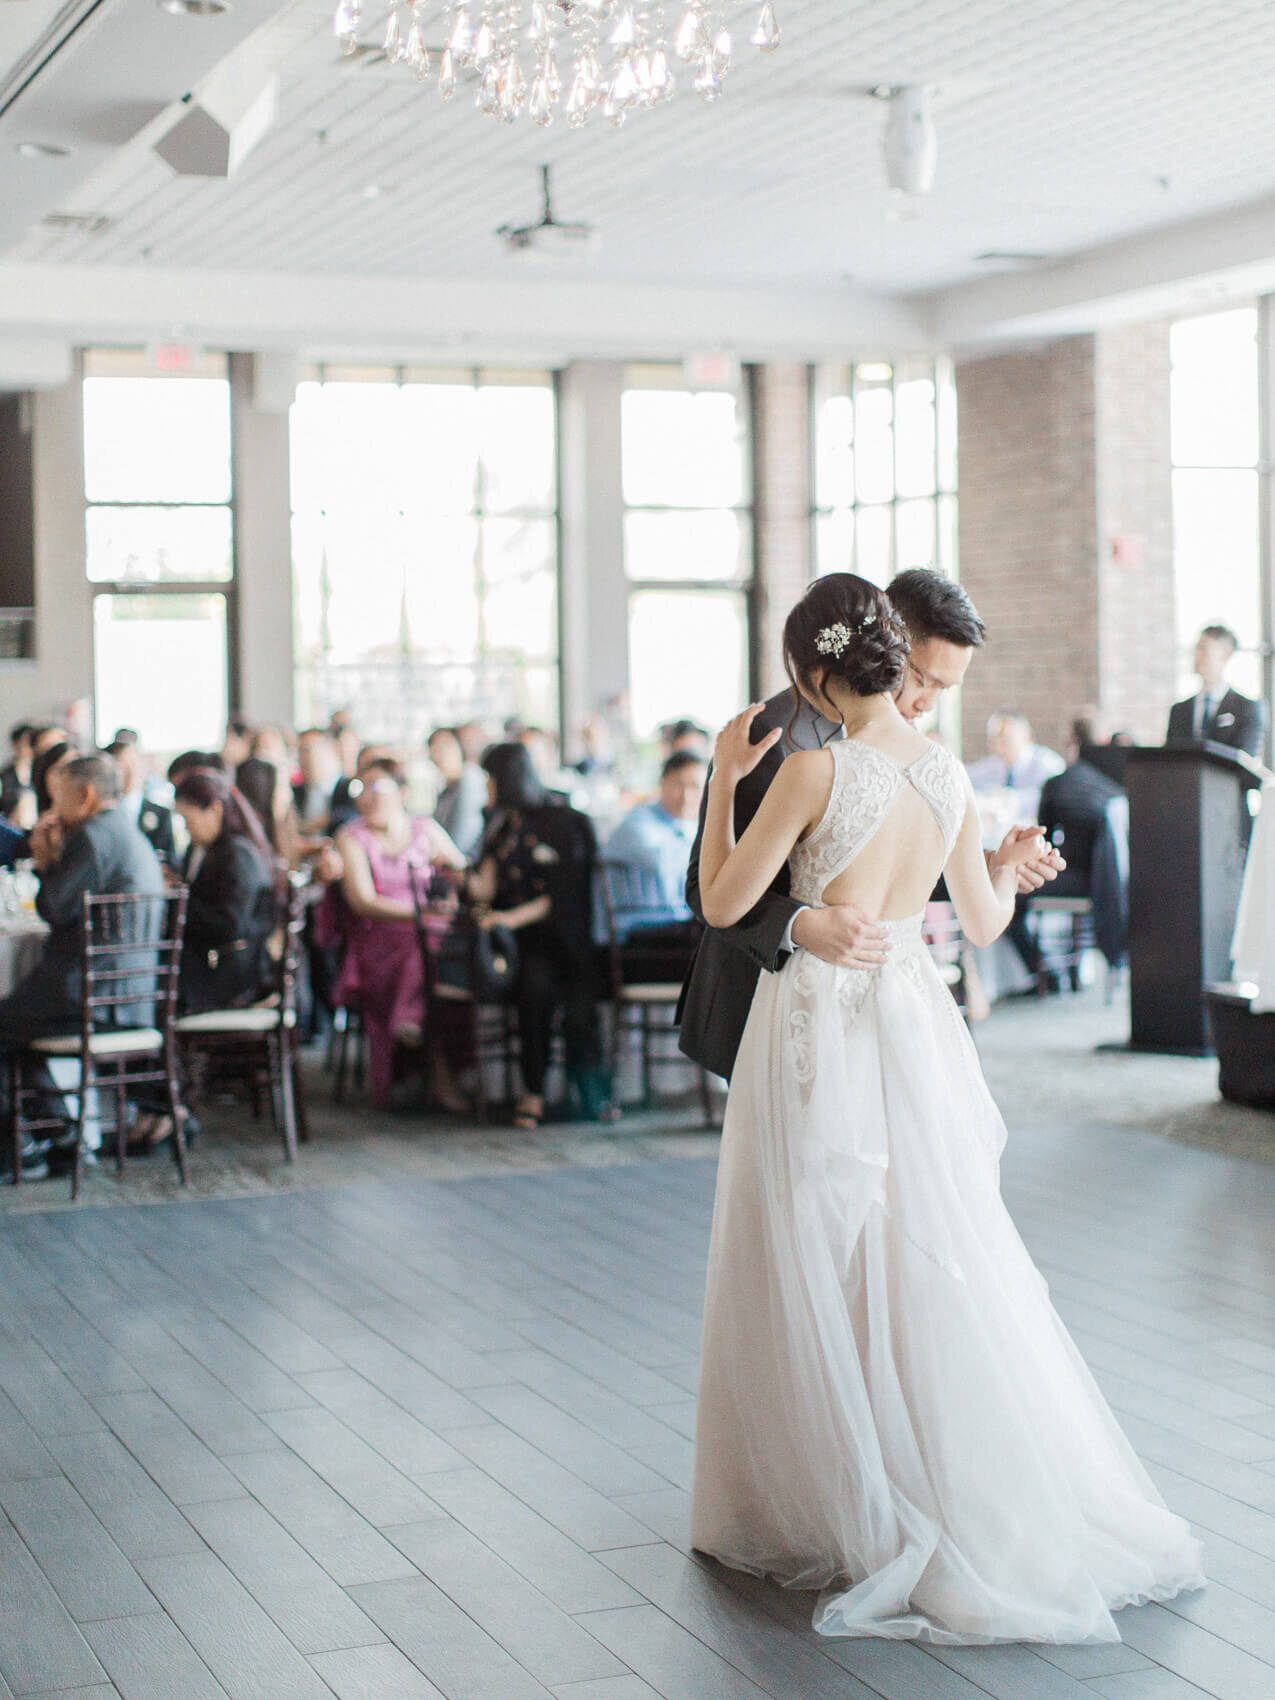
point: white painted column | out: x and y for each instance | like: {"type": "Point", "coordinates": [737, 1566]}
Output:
{"type": "Point", "coordinates": [260, 397]}
{"type": "Point", "coordinates": [594, 623]}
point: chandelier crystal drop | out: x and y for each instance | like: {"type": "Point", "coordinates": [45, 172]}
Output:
{"type": "Point", "coordinates": [575, 58]}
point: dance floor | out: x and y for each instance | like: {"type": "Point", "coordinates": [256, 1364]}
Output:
{"type": "Point", "coordinates": [433, 1437]}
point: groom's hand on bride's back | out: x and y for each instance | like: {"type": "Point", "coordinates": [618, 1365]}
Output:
{"type": "Point", "coordinates": [841, 934]}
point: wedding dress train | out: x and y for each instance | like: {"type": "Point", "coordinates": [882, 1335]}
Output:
{"type": "Point", "coordinates": [890, 1410]}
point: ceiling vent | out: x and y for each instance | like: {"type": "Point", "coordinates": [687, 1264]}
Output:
{"type": "Point", "coordinates": [77, 224]}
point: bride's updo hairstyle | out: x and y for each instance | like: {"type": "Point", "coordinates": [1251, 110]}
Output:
{"type": "Point", "coordinates": [844, 628]}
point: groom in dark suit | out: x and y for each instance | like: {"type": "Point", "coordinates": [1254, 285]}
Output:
{"type": "Point", "coordinates": [1216, 714]}
{"type": "Point", "coordinates": [945, 630]}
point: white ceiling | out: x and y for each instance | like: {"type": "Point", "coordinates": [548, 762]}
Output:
{"type": "Point", "coordinates": [1064, 127]}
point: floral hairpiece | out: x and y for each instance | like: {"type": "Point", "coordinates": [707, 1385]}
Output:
{"type": "Point", "coordinates": [833, 639]}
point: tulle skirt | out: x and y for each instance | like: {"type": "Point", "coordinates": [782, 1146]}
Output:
{"type": "Point", "coordinates": [890, 1410]}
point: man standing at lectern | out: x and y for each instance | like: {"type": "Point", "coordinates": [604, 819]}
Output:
{"type": "Point", "coordinates": [1216, 714]}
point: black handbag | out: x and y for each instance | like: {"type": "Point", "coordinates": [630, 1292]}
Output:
{"type": "Point", "coordinates": [480, 960]}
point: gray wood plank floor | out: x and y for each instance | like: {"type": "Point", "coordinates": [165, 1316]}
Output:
{"type": "Point", "coordinates": [404, 1441]}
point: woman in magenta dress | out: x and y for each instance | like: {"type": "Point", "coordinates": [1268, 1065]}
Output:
{"type": "Point", "coordinates": [383, 852]}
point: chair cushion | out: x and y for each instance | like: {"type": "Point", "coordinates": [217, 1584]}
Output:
{"type": "Point", "coordinates": [233, 1021]}
{"type": "Point", "coordinates": [653, 991]}
{"type": "Point", "coordinates": [102, 1044]}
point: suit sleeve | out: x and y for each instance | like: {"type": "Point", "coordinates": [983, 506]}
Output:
{"type": "Point", "coordinates": [760, 933]}
{"type": "Point", "coordinates": [61, 897]}
{"type": "Point", "coordinates": [1251, 727]}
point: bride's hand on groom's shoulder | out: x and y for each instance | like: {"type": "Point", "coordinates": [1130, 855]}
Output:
{"type": "Point", "coordinates": [735, 754]}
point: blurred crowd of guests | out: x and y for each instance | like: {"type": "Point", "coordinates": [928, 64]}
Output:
{"type": "Point", "coordinates": [489, 825]}
{"type": "Point", "coordinates": [1079, 799]}
{"type": "Point", "coordinates": [396, 845]}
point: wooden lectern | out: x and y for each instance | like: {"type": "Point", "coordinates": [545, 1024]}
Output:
{"type": "Point", "coordinates": [1189, 826]}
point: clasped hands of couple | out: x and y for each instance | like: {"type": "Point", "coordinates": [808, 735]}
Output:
{"type": "Point", "coordinates": [841, 933]}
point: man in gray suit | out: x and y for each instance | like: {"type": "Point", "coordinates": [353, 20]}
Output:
{"type": "Point", "coordinates": [945, 630]}
{"type": "Point", "coordinates": [87, 845]}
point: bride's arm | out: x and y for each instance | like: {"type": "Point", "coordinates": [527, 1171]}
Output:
{"type": "Point", "coordinates": [984, 895]}
{"type": "Point", "coordinates": [733, 877]}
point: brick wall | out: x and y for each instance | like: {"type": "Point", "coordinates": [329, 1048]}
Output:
{"type": "Point", "coordinates": [1137, 632]}
{"type": "Point", "coordinates": [1067, 532]}
{"type": "Point", "coordinates": [781, 400]}
{"type": "Point", "coordinates": [1028, 535]}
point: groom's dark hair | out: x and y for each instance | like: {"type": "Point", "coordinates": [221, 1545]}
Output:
{"type": "Point", "coordinates": [932, 606]}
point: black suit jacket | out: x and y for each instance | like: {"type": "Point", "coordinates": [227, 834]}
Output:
{"type": "Point", "coordinates": [1238, 721]}
{"type": "Point", "coordinates": [1085, 815]}
{"type": "Point", "coordinates": [229, 916]}
{"type": "Point", "coordinates": [718, 991]}
{"type": "Point", "coordinates": [107, 854]}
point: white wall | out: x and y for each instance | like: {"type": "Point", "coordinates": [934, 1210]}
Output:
{"type": "Point", "coordinates": [62, 671]}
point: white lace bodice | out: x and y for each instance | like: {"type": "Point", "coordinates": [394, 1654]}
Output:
{"type": "Point", "coordinates": [865, 783]}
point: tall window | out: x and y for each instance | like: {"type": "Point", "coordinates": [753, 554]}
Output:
{"type": "Point", "coordinates": [688, 548]}
{"type": "Point", "coordinates": [159, 533]}
{"type": "Point", "coordinates": [884, 468]}
{"type": "Point", "coordinates": [1214, 430]}
{"type": "Point", "coordinates": [425, 549]}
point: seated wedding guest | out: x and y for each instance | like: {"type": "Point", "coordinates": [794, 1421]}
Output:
{"type": "Point", "coordinates": [596, 744]}
{"type": "Point", "coordinates": [1085, 815]}
{"type": "Point", "coordinates": [15, 776]}
{"type": "Point", "coordinates": [345, 797]}
{"type": "Point", "coordinates": [154, 820]}
{"type": "Point", "coordinates": [230, 909]}
{"type": "Point", "coordinates": [387, 858]}
{"type": "Point", "coordinates": [189, 761]}
{"type": "Point", "coordinates": [45, 772]}
{"type": "Point", "coordinates": [657, 836]}
{"type": "Point", "coordinates": [535, 869]}
{"type": "Point", "coordinates": [1015, 762]}
{"type": "Point", "coordinates": [542, 747]}
{"type": "Point", "coordinates": [14, 845]}
{"type": "Point", "coordinates": [269, 792]}
{"type": "Point", "coordinates": [83, 845]}
{"type": "Point", "coordinates": [473, 739]}
{"type": "Point", "coordinates": [313, 794]}
{"type": "Point", "coordinates": [344, 735]}
{"type": "Point", "coordinates": [44, 766]}
{"type": "Point", "coordinates": [458, 808]}
{"type": "Point", "coordinates": [1216, 714]}
{"type": "Point", "coordinates": [236, 745]}
{"type": "Point", "coordinates": [684, 736]}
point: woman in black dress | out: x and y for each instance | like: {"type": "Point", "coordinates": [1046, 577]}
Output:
{"type": "Point", "coordinates": [230, 909]}
{"type": "Point", "coordinates": [535, 868]}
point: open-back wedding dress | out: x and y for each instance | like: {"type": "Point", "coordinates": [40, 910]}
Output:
{"type": "Point", "coordinates": [890, 1410]}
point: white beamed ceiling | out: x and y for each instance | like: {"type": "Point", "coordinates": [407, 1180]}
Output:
{"type": "Point", "coordinates": [1077, 130]}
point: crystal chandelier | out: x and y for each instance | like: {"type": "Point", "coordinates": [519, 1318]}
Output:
{"type": "Point", "coordinates": [581, 57]}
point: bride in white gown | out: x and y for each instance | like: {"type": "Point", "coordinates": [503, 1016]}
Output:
{"type": "Point", "coordinates": [890, 1410]}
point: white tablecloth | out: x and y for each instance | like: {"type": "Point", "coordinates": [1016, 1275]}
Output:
{"type": "Point", "coordinates": [21, 941]}
{"type": "Point", "coordinates": [1253, 948]}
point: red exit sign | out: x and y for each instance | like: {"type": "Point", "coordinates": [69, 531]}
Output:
{"type": "Point", "coordinates": [174, 359]}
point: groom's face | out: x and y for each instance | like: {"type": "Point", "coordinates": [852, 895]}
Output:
{"type": "Point", "coordinates": [932, 667]}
